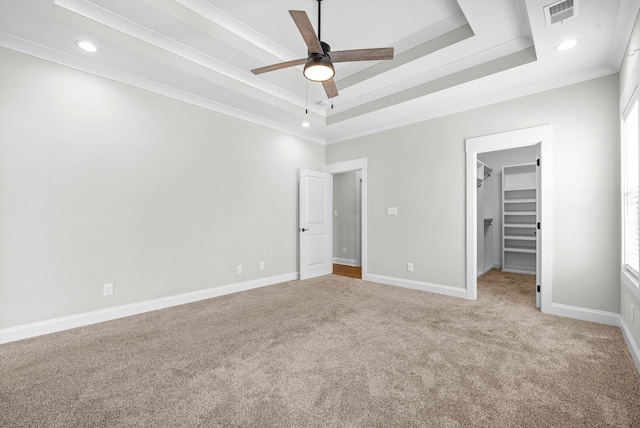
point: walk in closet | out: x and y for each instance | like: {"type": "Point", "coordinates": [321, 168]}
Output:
{"type": "Point", "coordinates": [519, 202]}
{"type": "Point", "coordinates": [507, 206]}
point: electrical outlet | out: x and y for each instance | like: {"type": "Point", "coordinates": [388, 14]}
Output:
{"type": "Point", "coordinates": [261, 265]}
{"type": "Point", "coordinates": [409, 267]}
{"type": "Point", "coordinates": [239, 268]}
{"type": "Point", "coordinates": [107, 289]}
{"type": "Point", "coordinates": [344, 250]}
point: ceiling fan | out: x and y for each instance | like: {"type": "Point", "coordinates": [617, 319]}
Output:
{"type": "Point", "coordinates": [319, 62]}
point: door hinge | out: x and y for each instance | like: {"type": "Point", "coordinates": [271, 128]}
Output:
{"type": "Point", "coordinates": [537, 288]}
{"type": "Point", "coordinates": [538, 226]}
{"type": "Point", "coordinates": [538, 162]}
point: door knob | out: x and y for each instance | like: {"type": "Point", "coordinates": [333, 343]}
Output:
{"type": "Point", "coordinates": [304, 230]}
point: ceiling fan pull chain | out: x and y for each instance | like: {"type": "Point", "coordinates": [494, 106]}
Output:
{"type": "Point", "coordinates": [319, 20]}
{"type": "Point", "coordinates": [306, 96]}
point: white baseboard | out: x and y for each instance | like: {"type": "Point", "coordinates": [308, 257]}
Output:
{"type": "Point", "coordinates": [418, 285]}
{"type": "Point", "coordinates": [602, 317]}
{"type": "Point", "coordinates": [64, 323]}
{"type": "Point", "coordinates": [631, 344]}
{"type": "Point", "coordinates": [348, 262]}
{"type": "Point", "coordinates": [584, 314]}
{"type": "Point", "coordinates": [73, 321]}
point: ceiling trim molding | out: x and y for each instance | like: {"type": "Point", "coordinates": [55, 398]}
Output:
{"type": "Point", "coordinates": [515, 93]}
{"type": "Point", "coordinates": [138, 32]}
{"type": "Point", "coordinates": [503, 63]}
{"type": "Point", "coordinates": [217, 16]}
{"type": "Point", "coordinates": [627, 15]}
{"type": "Point", "coordinates": [358, 97]}
{"type": "Point", "coordinates": [421, 37]}
{"type": "Point", "coordinates": [29, 48]}
{"type": "Point", "coordinates": [420, 51]}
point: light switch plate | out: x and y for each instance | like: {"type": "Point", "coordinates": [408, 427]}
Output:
{"type": "Point", "coordinates": [392, 210]}
{"type": "Point", "coordinates": [107, 289]}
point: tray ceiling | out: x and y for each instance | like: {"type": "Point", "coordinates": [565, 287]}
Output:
{"type": "Point", "coordinates": [450, 55]}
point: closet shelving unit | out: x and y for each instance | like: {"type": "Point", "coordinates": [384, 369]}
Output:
{"type": "Point", "coordinates": [519, 202]}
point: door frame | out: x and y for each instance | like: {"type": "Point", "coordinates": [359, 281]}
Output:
{"type": "Point", "coordinates": [510, 140]}
{"type": "Point", "coordinates": [349, 166]}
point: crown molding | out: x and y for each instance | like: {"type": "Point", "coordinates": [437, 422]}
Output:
{"type": "Point", "coordinates": [428, 113]}
{"type": "Point", "coordinates": [23, 46]}
{"type": "Point", "coordinates": [152, 39]}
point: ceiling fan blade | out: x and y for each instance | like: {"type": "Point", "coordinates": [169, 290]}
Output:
{"type": "Point", "coordinates": [280, 65]}
{"type": "Point", "coordinates": [362, 55]}
{"type": "Point", "coordinates": [330, 88]}
{"type": "Point", "coordinates": [306, 29]}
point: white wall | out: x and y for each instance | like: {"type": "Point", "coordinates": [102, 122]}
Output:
{"type": "Point", "coordinates": [421, 169]}
{"type": "Point", "coordinates": [629, 81]}
{"type": "Point", "coordinates": [101, 182]}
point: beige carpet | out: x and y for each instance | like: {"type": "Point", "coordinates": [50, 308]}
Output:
{"type": "Point", "coordinates": [332, 351]}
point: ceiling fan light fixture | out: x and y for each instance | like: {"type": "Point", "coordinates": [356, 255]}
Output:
{"type": "Point", "coordinates": [319, 68]}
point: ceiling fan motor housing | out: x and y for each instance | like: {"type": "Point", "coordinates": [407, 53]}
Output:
{"type": "Point", "coordinates": [325, 47]}
{"type": "Point", "coordinates": [326, 50]}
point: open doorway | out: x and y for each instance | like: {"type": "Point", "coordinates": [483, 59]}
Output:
{"type": "Point", "coordinates": [347, 208]}
{"type": "Point", "coordinates": [350, 217]}
{"type": "Point", "coordinates": [507, 214]}
{"type": "Point", "coordinates": [539, 137]}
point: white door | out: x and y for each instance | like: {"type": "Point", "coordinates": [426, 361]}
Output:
{"type": "Point", "coordinates": [538, 226]}
{"type": "Point", "coordinates": [316, 224]}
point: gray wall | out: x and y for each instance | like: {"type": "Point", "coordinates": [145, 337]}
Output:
{"type": "Point", "coordinates": [101, 182]}
{"type": "Point", "coordinates": [344, 218]}
{"type": "Point", "coordinates": [421, 170]}
{"type": "Point", "coordinates": [629, 78]}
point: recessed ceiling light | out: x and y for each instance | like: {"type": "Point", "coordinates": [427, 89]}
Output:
{"type": "Point", "coordinates": [306, 124]}
{"type": "Point", "coordinates": [87, 46]}
{"type": "Point", "coordinates": [566, 45]}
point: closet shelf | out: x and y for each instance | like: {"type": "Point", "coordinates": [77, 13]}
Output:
{"type": "Point", "coordinates": [520, 237]}
{"type": "Point", "coordinates": [520, 250]}
{"type": "Point", "coordinates": [519, 201]}
{"type": "Point", "coordinates": [520, 225]}
{"type": "Point", "coordinates": [518, 189]}
{"type": "Point", "coordinates": [519, 213]}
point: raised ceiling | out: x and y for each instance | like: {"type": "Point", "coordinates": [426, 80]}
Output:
{"type": "Point", "coordinates": [449, 55]}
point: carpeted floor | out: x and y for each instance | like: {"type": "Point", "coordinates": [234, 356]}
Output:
{"type": "Point", "coordinates": [332, 351]}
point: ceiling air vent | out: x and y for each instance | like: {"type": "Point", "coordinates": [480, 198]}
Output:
{"type": "Point", "coordinates": [560, 11]}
